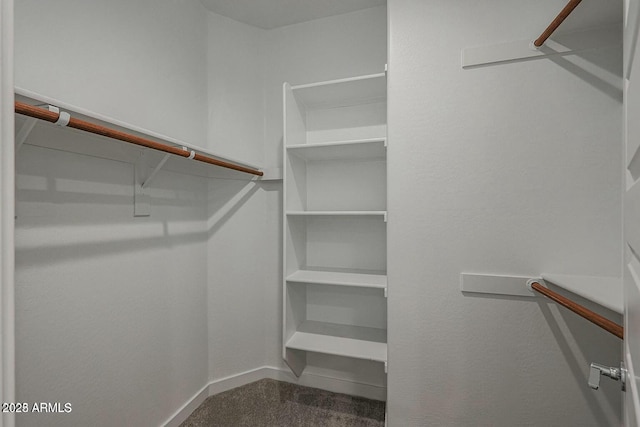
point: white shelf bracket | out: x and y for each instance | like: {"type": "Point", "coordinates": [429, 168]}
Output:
{"type": "Point", "coordinates": [141, 206]}
{"type": "Point", "coordinates": [153, 173]}
{"type": "Point", "coordinates": [24, 132]}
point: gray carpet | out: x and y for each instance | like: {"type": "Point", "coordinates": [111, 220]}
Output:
{"type": "Point", "coordinates": [270, 403]}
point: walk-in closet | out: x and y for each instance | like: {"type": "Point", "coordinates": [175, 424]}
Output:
{"type": "Point", "coordinates": [371, 213]}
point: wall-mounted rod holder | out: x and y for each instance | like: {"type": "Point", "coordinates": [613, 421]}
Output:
{"type": "Point", "coordinates": [141, 199]}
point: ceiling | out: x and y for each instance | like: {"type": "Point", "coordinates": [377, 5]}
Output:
{"type": "Point", "coordinates": [270, 14]}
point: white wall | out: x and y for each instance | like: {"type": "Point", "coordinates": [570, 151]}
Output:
{"type": "Point", "coordinates": [236, 264]}
{"type": "Point", "coordinates": [236, 221]}
{"type": "Point", "coordinates": [336, 47]}
{"type": "Point", "coordinates": [507, 169]}
{"type": "Point", "coordinates": [234, 79]}
{"type": "Point", "coordinates": [142, 62]}
{"type": "Point", "coordinates": [111, 309]}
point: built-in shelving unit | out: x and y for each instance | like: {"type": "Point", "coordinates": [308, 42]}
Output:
{"type": "Point", "coordinates": [335, 218]}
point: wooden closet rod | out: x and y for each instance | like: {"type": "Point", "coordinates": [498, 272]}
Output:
{"type": "Point", "coordinates": [580, 310]}
{"type": "Point", "coordinates": [556, 22]}
{"type": "Point", "coordinates": [50, 116]}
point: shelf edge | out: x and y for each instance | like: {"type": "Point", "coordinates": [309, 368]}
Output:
{"type": "Point", "coordinates": [338, 81]}
{"type": "Point", "coordinates": [335, 353]}
{"type": "Point", "coordinates": [337, 143]}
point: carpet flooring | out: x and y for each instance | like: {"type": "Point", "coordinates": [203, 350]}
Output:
{"type": "Point", "coordinates": [270, 403]}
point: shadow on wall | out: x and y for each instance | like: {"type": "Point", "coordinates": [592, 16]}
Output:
{"type": "Point", "coordinates": [225, 198]}
{"type": "Point", "coordinates": [579, 343]}
{"type": "Point", "coordinates": [72, 206]}
{"type": "Point", "coordinates": [596, 62]}
{"type": "Point", "coordinates": [582, 343]}
{"type": "Point", "coordinates": [594, 68]}
{"type": "Point", "coordinates": [600, 68]}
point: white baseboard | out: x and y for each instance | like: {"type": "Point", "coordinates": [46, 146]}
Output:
{"type": "Point", "coordinates": [237, 380]}
{"type": "Point", "coordinates": [335, 385]}
{"type": "Point", "coordinates": [192, 404]}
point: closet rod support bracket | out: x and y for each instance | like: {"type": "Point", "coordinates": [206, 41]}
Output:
{"type": "Point", "coordinates": [153, 173]}
{"type": "Point", "coordinates": [141, 205]}
{"type": "Point", "coordinates": [25, 131]}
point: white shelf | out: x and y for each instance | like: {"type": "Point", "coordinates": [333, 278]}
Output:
{"type": "Point", "coordinates": [340, 340]}
{"type": "Point", "coordinates": [361, 149]}
{"type": "Point", "coordinates": [339, 278]}
{"type": "Point", "coordinates": [112, 149]}
{"type": "Point", "coordinates": [342, 92]}
{"type": "Point", "coordinates": [338, 213]}
{"type": "Point", "coordinates": [606, 291]}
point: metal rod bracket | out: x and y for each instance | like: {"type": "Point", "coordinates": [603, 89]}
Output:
{"type": "Point", "coordinates": [141, 205]}
{"type": "Point", "coordinates": [153, 173]}
{"type": "Point", "coordinates": [25, 131]}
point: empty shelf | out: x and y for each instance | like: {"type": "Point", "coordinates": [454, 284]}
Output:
{"type": "Point", "coordinates": [338, 213]}
{"type": "Point", "coordinates": [606, 291]}
{"type": "Point", "coordinates": [361, 149]}
{"type": "Point", "coordinates": [343, 92]}
{"type": "Point", "coordinates": [339, 278]}
{"type": "Point", "coordinates": [340, 340]}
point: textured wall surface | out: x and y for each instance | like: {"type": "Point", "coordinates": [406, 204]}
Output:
{"type": "Point", "coordinates": [141, 62]}
{"type": "Point", "coordinates": [507, 169]}
{"type": "Point", "coordinates": [235, 89]}
{"type": "Point", "coordinates": [236, 223]}
{"type": "Point", "coordinates": [110, 309]}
